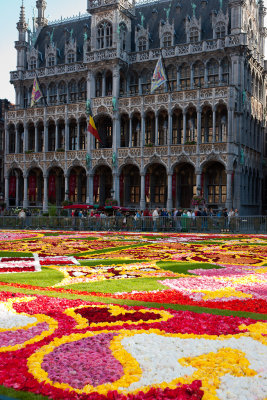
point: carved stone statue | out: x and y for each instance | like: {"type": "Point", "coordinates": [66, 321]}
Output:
{"type": "Point", "coordinates": [142, 19]}
{"type": "Point", "coordinates": [114, 104]}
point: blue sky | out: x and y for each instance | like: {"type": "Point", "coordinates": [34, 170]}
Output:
{"type": "Point", "coordinates": [9, 16]}
{"type": "Point", "coordinates": [10, 10]}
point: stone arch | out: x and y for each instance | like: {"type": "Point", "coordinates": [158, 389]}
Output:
{"type": "Point", "coordinates": [130, 185]}
{"type": "Point", "coordinates": [77, 184]}
{"type": "Point", "coordinates": [184, 182]}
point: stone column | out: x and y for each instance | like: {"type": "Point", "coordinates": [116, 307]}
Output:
{"type": "Point", "coordinates": [45, 137]}
{"type": "Point", "coordinates": [25, 141]}
{"type": "Point", "coordinates": [90, 85]}
{"type": "Point", "coordinates": [169, 198]}
{"type": "Point", "coordinates": [198, 128]}
{"type": "Point", "coordinates": [156, 129]}
{"type": "Point", "coordinates": [45, 198]}
{"type": "Point", "coordinates": [116, 187]}
{"type": "Point", "coordinates": [169, 138]}
{"type": "Point", "coordinates": [220, 73]}
{"type": "Point", "coordinates": [130, 131]}
{"type": "Point", "coordinates": [36, 138]}
{"type": "Point", "coordinates": [17, 141]}
{"type": "Point", "coordinates": [79, 135]}
{"type": "Point", "coordinates": [89, 189]}
{"type": "Point", "coordinates": [139, 85]}
{"type": "Point", "coordinates": [229, 201]}
{"type": "Point", "coordinates": [198, 180]}
{"type": "Point", "coordinates": [56, 141]}
{"type": "Point", "coordinates": [67, 135]}
{"type": "Point", "coordinates": [206, 78]}
{"type": "Point", "coordinates": [7, 190]}
{"type": "Point", "coordinates": [214, 124]}
{"type": "Point", "coordinates": [184, 126]}
{"type": "Point", "coordinates": [178, 79]}
{"type": "Point", "coordinates": [142, 197]}
{"type": "Point", "coordinates": [142, 133]}
{"type": "Point", "coordinates": [25, 193]}
{"type": "Point", "coordinates": [104, 84]}
{"type": "Point", "coordinates": [116, 133]}
{"type": "Point", "coordinates": [191, 77]}
{"type": "Point", "coordinates": [66, 187]}
{"type": "Point", "coordinates": [7, 140]}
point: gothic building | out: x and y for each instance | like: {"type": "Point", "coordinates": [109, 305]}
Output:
{"type": "Point", "coordinates": [201, 133]}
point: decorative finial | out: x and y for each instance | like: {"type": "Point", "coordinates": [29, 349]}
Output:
{"type": "Point", "coordinates": [194, 6]}
{"type": "Point", "coordinates": [167, 10]}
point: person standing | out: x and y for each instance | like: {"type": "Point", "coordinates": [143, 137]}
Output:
{"type": "Point", "coordinates": [155, 217]}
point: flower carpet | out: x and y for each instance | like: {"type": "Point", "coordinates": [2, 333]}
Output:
{"type": "Point", "coordinates": [116, 315]}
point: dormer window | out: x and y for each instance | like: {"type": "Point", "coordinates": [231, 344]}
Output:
{"type": "Point", "coordinates": [51, 61]}
{"type": "Point", "coordinates": [142, 43]}
{"type": "Point", "coordinates": [193, 35]}
{"type": "Point", "coordinates": [104, 35]}
{"type": "Point", "coordinates": [33, 63]}
{"type": "Point", "coordinates": [71, 57]}
{"type": "Point", "coordinates": [220, 30]}
{"type": "Point", "coordinates": [167, 40]}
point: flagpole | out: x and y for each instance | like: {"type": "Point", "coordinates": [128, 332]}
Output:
{"type": "Point", "coordinates": [38, 80]}
{"type": "Point", "coordinates": [169, 86]}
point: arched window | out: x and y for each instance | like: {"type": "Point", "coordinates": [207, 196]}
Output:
{"type": "Point", "coordinates": [52, 90]}
{"type": "Point", "coordinates": [172, 75]}
{"type": "Point", "coordinates": [104, 35]}
{"type": "Point", "coordinates": [51, 60]}
{"type": "Point", "coordinates": [216, 184]}
{"type": "Point", "coordinates": [185, 77]}
{"type": "Point", "coordinates": [167, 40]}
{"type": "Point", "coordinates": [133, 83]}
{"type": "Point", "coordinates": [213, 72]}
{"type": "Point", "coordinates": [72, 91]}
{"type": "Point", "coordinates": [146, 81]}
{"type": "Point", "coordinates": [220, 30]}
{"type": "Point", "coordinates": [62, 91]}
{"type": "Point", "coordinates": [142, 44]}
{"type": "Point", "coordinates": [98, 85]}
{"type": "Point", "coordinates": [82, 89]}
{"type": "Point", "coordinates": [71, 57]}
{"type": "Point", "coordinates": [33, 63]}
{"type": "Point", "coordinates": [225, 71]}
{"type": "Point", "coordinates": [198, 74]}
{"type": "Point", "coordinates": [193, 35]}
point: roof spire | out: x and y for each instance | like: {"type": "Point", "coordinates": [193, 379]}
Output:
{"type": "Point", "coordinates": [22, 26]}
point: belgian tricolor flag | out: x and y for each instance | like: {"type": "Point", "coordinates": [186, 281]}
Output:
{"type": "Point", "coordinates": [92, 128]}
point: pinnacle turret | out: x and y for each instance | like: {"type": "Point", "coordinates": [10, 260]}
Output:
{"type": "Point", "coordinates": [41, 7]}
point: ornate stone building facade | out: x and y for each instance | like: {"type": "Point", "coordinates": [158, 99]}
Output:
{"type": "Point", "coordinates": [200, 133]}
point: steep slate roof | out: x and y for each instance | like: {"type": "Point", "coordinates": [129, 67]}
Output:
{"type": "Point", "coordinates": [153, 19]}
{"type": "Point", "coordinates": [59, 37]}
{"type": "Point", "coordinates": [154, 14]}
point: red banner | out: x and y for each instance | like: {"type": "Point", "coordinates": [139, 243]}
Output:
{"type": "Point", "coordinates": [32, 186]}
{"type": "Point", "coordinates": [95, 185]}
{"type": "Point", "coordinates": [147, 184]}
{"type": "Point", "coordinates": [72, 185]}
{"type": "Point", "coordinates": [174, 186]}
{"type": "Point", "coordinates": [121, 186]}
{"type": "Point", "coordinates": [52, 186]}
{"type": "Point", "coordinates": [12, 186]}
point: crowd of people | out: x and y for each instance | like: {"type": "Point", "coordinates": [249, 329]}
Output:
{"type": "Point", "coordinates": [147, 219]}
